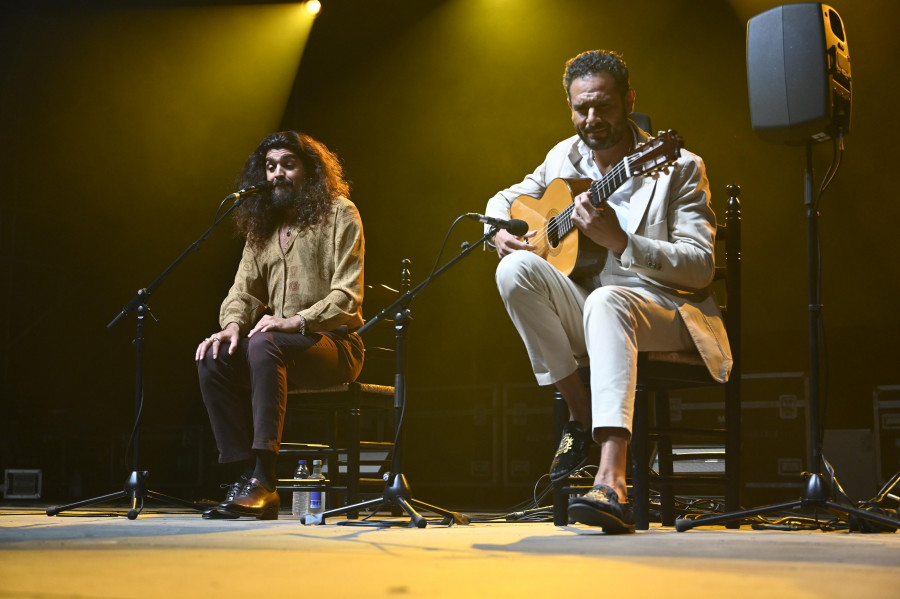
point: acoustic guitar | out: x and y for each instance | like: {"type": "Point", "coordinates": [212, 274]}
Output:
{"type": "Point", "coordinates": [551, 214]}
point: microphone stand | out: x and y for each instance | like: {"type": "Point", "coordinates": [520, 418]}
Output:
{"type": "Point", "coordinates": [397, 491]}
{"type": "Point", "coordinates": [135, 488]}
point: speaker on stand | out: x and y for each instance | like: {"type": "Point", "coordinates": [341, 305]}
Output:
{"type": "Point", "coordinates": [798, 76]}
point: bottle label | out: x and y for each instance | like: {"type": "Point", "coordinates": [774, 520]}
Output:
{"type": "Point", "coordinates": [315, 500]}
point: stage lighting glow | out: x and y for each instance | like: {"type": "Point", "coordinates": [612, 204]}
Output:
{"type": "Point", "coordinates": [178, 78]}
{"type": "Point", "coordinates": [313, 7]}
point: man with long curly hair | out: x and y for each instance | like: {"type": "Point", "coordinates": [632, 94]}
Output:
{"type": "Point", "coordinates": [290, 315]}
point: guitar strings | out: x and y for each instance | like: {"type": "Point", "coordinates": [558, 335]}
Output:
{"type": "Point", "coordinates": [561, 224]}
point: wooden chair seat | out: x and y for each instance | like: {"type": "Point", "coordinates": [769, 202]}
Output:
{"type": "Point", "coordinates": [345, 451]}
{"type": "Point", "coordinates": [350, 459]}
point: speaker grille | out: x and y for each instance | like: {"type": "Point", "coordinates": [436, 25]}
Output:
{"type": "Point", "coordinates": [798, 73]}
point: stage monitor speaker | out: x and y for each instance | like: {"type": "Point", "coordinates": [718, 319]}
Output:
{"type": "Point", "coordinates": [798, 74]}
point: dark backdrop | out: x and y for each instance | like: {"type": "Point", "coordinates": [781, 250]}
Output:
{"type": "Point", "coordinates": [123, 125]}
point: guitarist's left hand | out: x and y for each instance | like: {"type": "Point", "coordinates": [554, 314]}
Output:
{"type": "Point", "coordinates": [600, 225]}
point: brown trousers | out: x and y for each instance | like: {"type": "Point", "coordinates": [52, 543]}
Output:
{"type": "Point", "coordinates": [246, 393]}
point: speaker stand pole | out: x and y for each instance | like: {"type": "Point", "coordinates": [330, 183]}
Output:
{"type": "Point", "coordinates": [816, 493]}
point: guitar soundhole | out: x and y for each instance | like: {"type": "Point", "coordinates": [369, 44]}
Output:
{"type": "Point", "coordinates": [553, 229]}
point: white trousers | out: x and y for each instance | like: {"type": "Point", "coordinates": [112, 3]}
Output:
{"type": "Point", "coordinates": [563, 326]}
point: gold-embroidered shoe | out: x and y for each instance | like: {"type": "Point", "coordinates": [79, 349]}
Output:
{"type": "Point", "coordinates": [572, 452]}
{"type": "Point", "coordinates": [600, 507]}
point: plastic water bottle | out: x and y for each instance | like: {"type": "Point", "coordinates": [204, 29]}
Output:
{"type": "Point", "coordinates": [300, 503]}
{"type": "Point", "coordinates": [317, 498]}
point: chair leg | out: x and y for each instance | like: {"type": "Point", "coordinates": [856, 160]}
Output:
{"type": "Point", "coordinates": [560, 499]}
{"type": "Point", "coordinates": [353, 449]}
{"type": "Point", "coordinates": [330, 459]}
{"type": "Point", "coordinates": [733, 447]}
{"type": "Point", "coordinates": [640, 460]}
{"type": "Point", "coordinates": [666, 464]}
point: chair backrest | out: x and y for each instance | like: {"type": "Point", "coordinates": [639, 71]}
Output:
{"type": "Point", "coordinates": [728, 236]}
{"type": "Point", "coordinates": [733, 282]}
{"type": "Point", "coordinates": [641, 120]}
{"type": "Point", "coordinates": [380, 363]}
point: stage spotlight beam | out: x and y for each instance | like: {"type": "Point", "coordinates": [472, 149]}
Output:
{"type": "Point", "coordinates": [313, 7]}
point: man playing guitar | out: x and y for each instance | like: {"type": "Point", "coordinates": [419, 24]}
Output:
{"type": "Point", "coordinates": [616, 261]}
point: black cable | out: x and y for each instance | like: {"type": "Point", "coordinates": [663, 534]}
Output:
{"type": "Point", "coordinates": [444, 245]}
{"type": "Point", "coordinates": [222, 203]}
{"type": "Point", "coordinates": [399, 425]}
{"type": "Point", "coordinates": [885, 492]}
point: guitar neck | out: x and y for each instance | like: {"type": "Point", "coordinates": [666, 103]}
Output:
{"type": "Point", "coordinates": [550, 216]}
{"type": "Point", "coordinates": [600, 191]}
{"type": "Point", "coordinates": [605, 187]}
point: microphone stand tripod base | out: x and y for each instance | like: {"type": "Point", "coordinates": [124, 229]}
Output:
{"type": "Point", "coordinates": [815, 495]}
{"type": "Point", "coordinates": [396, 492]}
{"type": "Point", "coordinates": [135, 489]}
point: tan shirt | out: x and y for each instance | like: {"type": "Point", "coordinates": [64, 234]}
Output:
{"type": "Point", "coordinates": [319, 276]}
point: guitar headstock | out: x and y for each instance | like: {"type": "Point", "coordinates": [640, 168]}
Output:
{"type": "Point", "coordinates": [656, 154]}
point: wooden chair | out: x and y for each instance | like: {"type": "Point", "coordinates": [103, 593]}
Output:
{"type": "Point", "coordinates": [341, 413]}
{"type": "Point", "coordinates": [662, 372]}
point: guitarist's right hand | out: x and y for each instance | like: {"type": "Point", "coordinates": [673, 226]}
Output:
{"type": "Point", "coordinates": [507, 243]}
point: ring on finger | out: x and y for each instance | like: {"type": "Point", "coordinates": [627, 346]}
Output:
{"type": "Point", "coordinates": [216, 339]}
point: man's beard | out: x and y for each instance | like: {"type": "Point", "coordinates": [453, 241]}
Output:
{"type": "Point", "coordinates": [286, 196]}
{"type": "Point", "coordinates": [616, 134]}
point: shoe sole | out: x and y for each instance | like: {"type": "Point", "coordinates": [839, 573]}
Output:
{"type": "Point", "coordinates": [269, 513]}
{"type": "Point", "coordinates": [594, 516]}
{"type": "Point", "coordinates": [215, 514]}
{"type": "Point", "coordinates": [555, 478]}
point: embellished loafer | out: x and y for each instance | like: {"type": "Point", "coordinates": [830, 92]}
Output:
{"type": "Point", "coordinates": [231, 491]}
{"type": "Point", "coordinates": [255, 501]}
{"type": "Point", "coordinates": [600, 507]}
{"type": "Point", "coordinates": [572, 452]}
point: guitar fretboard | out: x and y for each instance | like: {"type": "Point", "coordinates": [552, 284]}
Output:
{"type": "Point", "coordinates": [560, 225]}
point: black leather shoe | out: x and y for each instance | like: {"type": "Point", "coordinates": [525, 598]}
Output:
{"type": "Point", "coordinates": [600, 507]}
{"type": "Point", "coordinates": [572, 452]}
{"type": "Point", "coordinates": [231, 491]}
{"type": "Point", "coordinates": [254, 500]}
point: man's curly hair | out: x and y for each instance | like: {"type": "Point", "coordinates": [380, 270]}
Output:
{"type": "Point", "coordinates": [595, 62]}
{"type": "Point", "coordinates": [323, 182]}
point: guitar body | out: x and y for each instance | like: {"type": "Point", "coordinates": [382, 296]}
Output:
{"type": "Point", "coordinates": [557, 239]}
{"type": "Point", "coordinates": [571, 253]}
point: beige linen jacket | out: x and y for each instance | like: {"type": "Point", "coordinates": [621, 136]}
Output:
{"type": "Point", "coordinates": [671, 232]}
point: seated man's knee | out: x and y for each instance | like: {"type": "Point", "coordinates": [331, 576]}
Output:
{"type": "Point", "coordinates": [261, 347]}
{"type": "Point", "coordinates": [515, 268]}
{"type": "Point", "coordinates": [209, 368]}
{"type": "Point", "coordinates": [607, 301]}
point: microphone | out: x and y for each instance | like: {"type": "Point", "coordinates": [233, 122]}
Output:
{"type": "Point", "coordinates": [515, 226]}
{"type": "Point", "coordinates": [252, 189]}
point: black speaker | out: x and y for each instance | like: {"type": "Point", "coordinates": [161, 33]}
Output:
{"type": "Point", "coordinates": [798, 73]}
